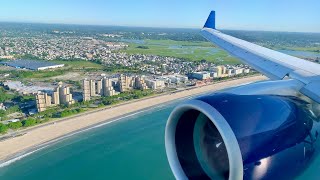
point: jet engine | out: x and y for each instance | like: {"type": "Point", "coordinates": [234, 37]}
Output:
{"type": "Point", "coordinates": [240, 135]}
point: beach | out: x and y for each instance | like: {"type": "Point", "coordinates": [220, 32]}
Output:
{"type": "Point", "coordinates": [35, 137]}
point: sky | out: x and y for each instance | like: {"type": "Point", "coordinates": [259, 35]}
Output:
{"type": "Point", "coordinates": [268, 15]}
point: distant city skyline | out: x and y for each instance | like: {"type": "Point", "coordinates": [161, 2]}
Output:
{"type": "Point", "coordinates": [267, 15]}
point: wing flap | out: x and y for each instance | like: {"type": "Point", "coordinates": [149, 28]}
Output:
{"type": "Point", "coordinates": [312, 90]}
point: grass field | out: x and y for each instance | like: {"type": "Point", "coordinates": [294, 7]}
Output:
{"type": "Point", "coordinates": [192, 51]}
{"type": "Point", "coordinates": [80, 64]}
{"type": "Point", "coordinates": [308, 49]}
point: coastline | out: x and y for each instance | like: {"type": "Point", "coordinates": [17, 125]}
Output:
{"type": "Point", "coordinates": [42, 136]}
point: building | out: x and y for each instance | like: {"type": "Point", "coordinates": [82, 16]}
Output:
{"type": "Point", "coordinates": [155, 84]}
{"type": "Point", "coordinates": [99, 89]}
{"type": "Point", "coordinates": [224, 70]}
{"type": "Point", "coordinates": [107, 87]}
{"type": "Point", "coordinates": [214, 75]}
{"type": "Point", "coordinates": [238, 71]}
{"type": "Point", "coordinates": [230, 72]}
{"type": "Point", "coordinates": [43, 100]}
{"type": "Point", "coordinates": [62, 95]}
{"type": "Point", "coordinates": [125, 83]}
{"type": "Point", "coordinates": [102, 87]}
{"type": "Point", "coordinates": [65, 96]}
{"type": "Point", "coordinates": [201, 75]}
{"type": "Point", "coordinates": [218, 70]}
{"type": "Point", "coordinates": [92, 88]}
{"type": "Point", "coordinates": [139, 83]}
{"type": "Point", "coordinates": [86, 92]}
{"type": "Point", "coordinates": [55, 96]}
{"type": "Point", "coordinates": [176, 78]}
{"type": "Point", "coordinates": [32, 64]}
{"type": "Point", "coordinates": [6, 57]}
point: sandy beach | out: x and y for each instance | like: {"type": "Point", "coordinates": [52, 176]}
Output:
{"type": "Point", "coordinates": [37, 136]}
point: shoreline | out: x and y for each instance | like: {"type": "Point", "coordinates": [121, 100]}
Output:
{"type": "Point", "coordinates": [40, 137]}
{"type": "Point", "coordinates": [23, 131]}
{"type": "Point", "coordinates": [15, 157]}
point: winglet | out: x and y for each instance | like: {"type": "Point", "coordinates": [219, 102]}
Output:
{"type": "Point", "coordinates": [211, 21]}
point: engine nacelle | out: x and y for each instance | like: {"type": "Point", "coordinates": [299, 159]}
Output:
{"type": "Point", "coordinates": [229, 136]}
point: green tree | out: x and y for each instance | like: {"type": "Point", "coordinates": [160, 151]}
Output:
{"type": "Point", "coordinates": [15, 125]}
{"type": "Point", "coordinates": [3, 128]}
{"type": "Point", "coordinates": [2, 113]}
{"type": "Point", "coordinates": [29, 122]}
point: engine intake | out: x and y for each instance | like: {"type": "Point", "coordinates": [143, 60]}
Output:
{"type": "Point", "coordinates": [216, 136]}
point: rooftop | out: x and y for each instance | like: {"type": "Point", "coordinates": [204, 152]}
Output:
{"type": "Point", "coordinates": [30, 64]}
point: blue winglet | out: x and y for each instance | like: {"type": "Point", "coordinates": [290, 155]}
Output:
{"type": "Point", "coordinates": [211, 21]}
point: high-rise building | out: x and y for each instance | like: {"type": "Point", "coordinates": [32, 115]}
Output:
{"type": "Point", "coordinates": [99, 89]}
{"type": "Point", "coordinates": [218, 70]}
{"type": "Point", "coordinates": [62, 95]}
{"type": "Point", "coordinates": [92, 87]}
{"type": "Point", "coordinates": [55, 96]}
{"type": "Point", "coordinates": [65, 96]}
{"type": "Point", "coordinates": [43, 100]}
{"type": "Point", "coordinates": [125, 83]}
{"type": "Point", "coordinates": [139, 83]}
{"type": "Point", "coordinates": [224, 70]}
{"type": "Point", "coordinates": [86, 90]}
{"type": "Point", "coordinates": [48, 99]}
{"type": "Point", "coordinates": [107, 87]}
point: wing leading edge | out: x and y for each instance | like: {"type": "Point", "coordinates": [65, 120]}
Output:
{"type": "Point", "coordinates": [273, 64]}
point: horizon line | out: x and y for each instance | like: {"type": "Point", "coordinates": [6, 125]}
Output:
{"type": "Point", "coordinates": [154, 27]}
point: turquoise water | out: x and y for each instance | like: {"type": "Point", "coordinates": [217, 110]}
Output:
{"type": "Point", "coordinates": [132, 148]}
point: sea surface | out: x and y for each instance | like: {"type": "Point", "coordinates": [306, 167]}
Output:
{"type": "Point", "coordinates": [131, 148]}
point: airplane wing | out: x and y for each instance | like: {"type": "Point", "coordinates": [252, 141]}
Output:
{"type": "Point", "coordinates": [273, 64]}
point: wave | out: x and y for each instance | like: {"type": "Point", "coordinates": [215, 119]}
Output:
{"type": "Point", "coordinates": [20, 157]}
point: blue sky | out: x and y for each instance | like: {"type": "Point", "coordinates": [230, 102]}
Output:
{"type": "Point", "coordinates": [274, 15]}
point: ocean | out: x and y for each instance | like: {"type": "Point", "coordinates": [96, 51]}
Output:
{"type": "Point", "coordinates": [131, 148]}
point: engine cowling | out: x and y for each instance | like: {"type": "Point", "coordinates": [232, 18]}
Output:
{"type": "Point", "coordinates": [229, 136]}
